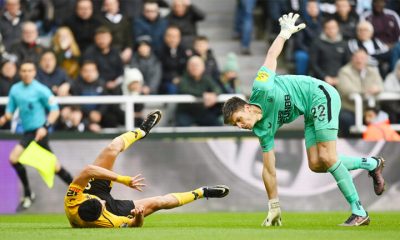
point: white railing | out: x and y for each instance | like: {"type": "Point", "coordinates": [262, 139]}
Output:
{"type": "Point", "coordinates": [129, 101]}
{"type": "Point", "coordinates": [359, 127]}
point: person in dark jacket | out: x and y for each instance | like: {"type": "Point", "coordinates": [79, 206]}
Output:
{"type": "Point", "coordinates": [107, 59]}
{"type": "Point", "coordinates": [88, 83]}
{"type": "Point", "coordinates": [11, 22]}
{"type": "Point", "coordinates": [120, 27]}
{"type": "Point", "coordinates": [173, 60]}
{"type": "Point", "coordinates": [328, 53]}
{"type": "Point", "coordinates": [379, 53]}
{"type": "Point", "coordinates": [29, 47]}
{"type": "Point", "coordinates": [147, 62]}
{"type": "Point", "coordinates": [52, 76]}
{"type": "Point", "coordinates": [346, 18]}
{"type": "Point", "coordinates": [8, 76]}
{"type": "Point", "coordinates": [386, 22]}
{"type": "Point", "coordinates": [83, 24]}
{"type": "Point", "coordinates": [195, 83]}
{"type": "Point", "coordinates": [202, 49]}
{"type": "Point", "coordinates": [303, 39]}
{"type": "Point", "coordinates": [150, 23]}
{"type": "Point", "coordinates": [185, 15]}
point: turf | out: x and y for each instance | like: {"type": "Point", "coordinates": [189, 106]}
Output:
{"type": "Point", "coordinates": [203, 226]}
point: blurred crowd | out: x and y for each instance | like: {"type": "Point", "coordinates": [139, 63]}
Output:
{"type": "Point", "coordinates": [145, 47]}
{"type": "Point", "coordinates": [112, 47]}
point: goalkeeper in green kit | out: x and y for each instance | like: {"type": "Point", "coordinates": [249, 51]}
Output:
{"type": "Point", "coordinates": [279, 99]}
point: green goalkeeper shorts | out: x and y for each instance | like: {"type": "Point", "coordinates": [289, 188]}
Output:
{"type": "Point", "coordinates": [322, 118]}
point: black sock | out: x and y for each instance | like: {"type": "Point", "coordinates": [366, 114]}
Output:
{"type": "Point", "coordinates": [21, 172]}
{"type": "Point", "coordinates": [65, 175]}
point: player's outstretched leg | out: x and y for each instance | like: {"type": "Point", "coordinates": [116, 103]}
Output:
{"type": "Point", "coordinates": [372, 164]}
{"type": "Point", "coordinates": [107, 157]}
{"type": "Point", "coordinates": [174, 200]}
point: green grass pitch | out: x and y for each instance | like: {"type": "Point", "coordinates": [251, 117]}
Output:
{"type": "Point", "coordinates": [206, 226]}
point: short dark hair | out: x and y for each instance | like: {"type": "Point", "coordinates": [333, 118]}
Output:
{"type": "Point", "coordinates": [102, 29]}
{"type": "Point", "coordinates": [86, 62]}
{"type": "Point", "coordinates": [90, 210]}
{"type": "Point", "coordinates": [327, 20]}
{"type": "Point", "coordinates": [231, 106]}
{"type": "Point", "coordinates": [28, 61]}
{"type": "Point", "coordinates": [201, 38]}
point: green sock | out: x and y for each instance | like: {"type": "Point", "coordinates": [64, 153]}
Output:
{"type": "Point", "coordinates": [346, 186]}
{"type": "Point", "coordinates": [352, 163]}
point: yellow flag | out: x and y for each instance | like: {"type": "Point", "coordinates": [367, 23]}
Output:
{"type": "Point", "coordinates": [41, 159]}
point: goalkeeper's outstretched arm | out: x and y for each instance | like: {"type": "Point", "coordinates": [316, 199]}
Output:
{"type": "Point", "coordinates": [288, 27]}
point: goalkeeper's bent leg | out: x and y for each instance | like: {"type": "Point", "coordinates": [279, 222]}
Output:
{"type": "Point", "coordinates": [346, 186]}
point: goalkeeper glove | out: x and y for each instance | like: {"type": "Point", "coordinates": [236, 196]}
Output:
{"type": "Point", "coordinates": [288, 26]}
{"type": "Point", "coordinates": [274, 214]}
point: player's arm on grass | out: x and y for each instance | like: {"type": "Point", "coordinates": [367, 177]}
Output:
{"type": "Point", "coordinates": [93, 171]}
{"type": "Point", "coordinates": [288, 27]}
{"type": "Point", "coordinates": [269, 177]}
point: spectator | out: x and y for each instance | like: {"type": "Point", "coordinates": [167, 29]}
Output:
{"type": "Point", "coordinates": [71, 119]}
{"type": "Point", "coordinates": [362, 6]}
{"type": "Point", "coordinates": [392, 84]}
{"type": "Point", "coordinates": [67, 51]}
{"type": "Point", "coordinates": [328, 53]}
{"type": "Point", "coordinates": [275, 10]}
{"type": "Point", "coordinates": [379, 52]}
{"type": "Point", "coordinates": [11, 22]}
{"type": "Point", "coordinates": [185, 15]}
{"type": "Point", "coordinates": [40, 12]}
{"type": "Point", "coordinates": [386, 22]}
{"type": "Point", "coordinates": [131, 8]}
{"type": "Point", "coordinates": [120, 27]}
{"type": "Point", "coordinates": [107, 59]}
{"type": "Point", "coordinates": [83, 24]}
{"type": "Point", "coordinates": [63, 10]}
{"type": "Point", "coordinates": [303, 39]}
{"type": "Point", "coordinates": [346, 18]}
{"type": "Point", "coordinates": [52, 76]}
{"type": "Point", "coordinates": [243, 26]}
{"type": "Point", "coordinates": [148, 64]}
{"type": "Point", "coordinates": [356, 77]}
{"type": "Point", "coordinates": [133, 86]}
{"type": "Point", "coordinates": [89, 84]}
{"type": "Point", "coordinates": [194, 82]}
{"type": "Point", "coordinates": [202, 49]}
{"type": "Point", "coordinates": [29, 47]}
{"type": "Point", "coordinates": [8, 77]}
{"type": "Point", "coordinates": [173, 60]}
{"type": "Point", "coordinates": [378, 127]}
{"type": "Point", "coordinates": [150, 23]}
{"type": "Point", "coordinates": [230, 75]}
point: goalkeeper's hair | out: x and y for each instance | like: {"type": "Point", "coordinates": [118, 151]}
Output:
{"type": "Point", "coordinates": [231, 106]}
{"type": "Point", "coordinates": [90, 210]}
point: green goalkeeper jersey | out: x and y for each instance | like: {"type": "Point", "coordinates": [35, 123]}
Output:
{"type": "Point", "coordinates": [282, 98]}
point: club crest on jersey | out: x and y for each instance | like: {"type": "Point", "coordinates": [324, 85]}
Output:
{"type": "Point", "coordinates": [262, 76]}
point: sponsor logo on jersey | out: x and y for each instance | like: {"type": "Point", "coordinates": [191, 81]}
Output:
{"type": "Point", "coordinates": [284, 115]}
{"type": "Point", "coordinates": [262, 76]}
